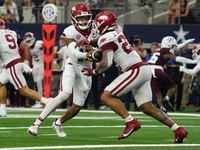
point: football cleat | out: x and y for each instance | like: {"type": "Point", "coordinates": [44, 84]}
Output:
{"type": "Point", "coordinates": [131, 126]}
{"type": "Point", "coordinates": [58, 129]}
{"type": "Point", "coordinates": [37, 105]}
{"type": "Point", "coordinates": [33, 129]}
{"type": "Point", "coordinates": [167, 104]}
{"type": "Point", "coordinates": [3, 112]}
{"type": "Point", "coordinates": [180, 134]}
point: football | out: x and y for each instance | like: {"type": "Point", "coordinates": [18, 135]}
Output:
{"type": "Point", "coordinates": [96, 55]}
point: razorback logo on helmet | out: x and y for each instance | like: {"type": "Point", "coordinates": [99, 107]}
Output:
{"type": "Point", "coordinates": [197, 47]}
{"type": "Point", "coordinates": [103, 17]}
{"type": "Point", "coordinates": [102, 40]}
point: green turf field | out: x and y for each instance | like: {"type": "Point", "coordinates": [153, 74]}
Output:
{"type": "Point", "coordinates": [99, 130]}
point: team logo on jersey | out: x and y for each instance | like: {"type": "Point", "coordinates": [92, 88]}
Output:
{"type": "Point", "coordinates": [102, 40]}
{"type": "Point", "coordinates": [78, 36]}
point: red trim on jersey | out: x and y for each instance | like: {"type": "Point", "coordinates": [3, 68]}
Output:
{"type": "Point", "coordinates": [84, 34]}
{"type": "Point", "coordinates": [111, 45]}
{"type": "Point", "coordinates": [137, 65]}
{"type": "Point", "coordinates": [15, 75]}
{"type": "Point", "coordinates": [12, 63]}
{"type": "Point", "coordinates": [121, 88]}
{"type": "Point", "coordinates": [61, 78]}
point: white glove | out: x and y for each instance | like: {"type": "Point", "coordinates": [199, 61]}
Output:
{"type": "Point", "coordinates": [189, 41]}
{"type": "Point", "coordinates": [26, 68]}
{"type": "Point", "coordinates": [181, 68]}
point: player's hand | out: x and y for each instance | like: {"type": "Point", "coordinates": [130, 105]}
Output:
{"type": "Point", "coordinates": [181, 68]}
{"type": "Point", "coordinates": [189, 41]}
{"type": "Point", "coordinates": [90, 72]}
{"type": "Point", "coordinates": [26, 68]}
{"type": "Point", "coordinates": [82, 42]}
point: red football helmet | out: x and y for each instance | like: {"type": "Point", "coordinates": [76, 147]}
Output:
{"type": "Point", "coordinates": [196, 51]}
{"type": "Point", "coordinates": [105, 21]}
{"type": "Point", "coordinates": [2, 24]}
{"type": "Point", "coordinates": [81, 10]}
{"type": "Point", "coordinates": [29, 38]}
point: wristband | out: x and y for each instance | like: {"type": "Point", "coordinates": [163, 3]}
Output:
{"type": "Point", "coordinates": [182, 79]}
{"type": "Point", "coordinates": [95, 72]}
{"type": "Point", "coordinates": [26, 62]}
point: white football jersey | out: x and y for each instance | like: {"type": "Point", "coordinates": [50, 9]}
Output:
{"type": "Point", "coordinates": [124, 55]}
{"type": "Point", "coordinates": [8, 46]}
{"type": "Point", "coordinates": [37, 53]}
{"type": "Point", "coordinates": [78, 35]}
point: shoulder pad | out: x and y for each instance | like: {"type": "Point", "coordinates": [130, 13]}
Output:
{"type": "Point", "coordinates": [69, 31]}
{"type": "Point", "coordinates": [107, 38]}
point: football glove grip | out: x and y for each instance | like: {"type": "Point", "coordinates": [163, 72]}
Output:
{"type": "Point", "coordinates": [91, 72]}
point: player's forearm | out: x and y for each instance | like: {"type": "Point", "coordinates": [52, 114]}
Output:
{"type": "Point", "coordinates": [75, 51]}
{"type": "Point", "coordinates": [185, 60]}
{"type": "Point", "coordinates": [192, 71]}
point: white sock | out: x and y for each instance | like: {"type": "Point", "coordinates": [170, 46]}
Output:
{"type": "Point", "coordinates": [53, 104]}
{"type": "Point", "coordinates": [44, 100]}
{"type": "Point", "coordinates": [129, 118]}
{"type": "Point", "coordinates": [3, 105]}
{"type": "Point", "coordinates": [58, 122]}
{"type": "Point", "coordinates": [38, 121]}
{"type": "Point", "coordinates": [174, 127]}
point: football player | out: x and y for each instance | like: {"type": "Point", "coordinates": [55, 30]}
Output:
{"type": "Point", "coordinates": [14, 67]}
{"type": "Point", "coordinates": [196, 56]}
{"type": "Point", "coordinates": [159, 58]}
{"type": "Point", "coordinates": [72, 77]}
{"type": "Point", "coordinates": [136, 76]}
{"type": "Point", "coordinates": [36, 48]}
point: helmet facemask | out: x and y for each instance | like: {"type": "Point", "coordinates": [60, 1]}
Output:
{"type": "Point", "coordinates": [83, 25]}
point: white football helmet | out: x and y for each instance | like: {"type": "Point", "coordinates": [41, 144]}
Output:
{"type": "Point", "coordinates": [29, 38]}
{"type": "Point", "coordinates": [196, 51]}
{"type": "Point", "coordinates": [169, 42]}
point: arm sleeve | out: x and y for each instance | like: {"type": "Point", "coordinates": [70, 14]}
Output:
{"type": "Point", "coordinates": [19, 41]}
{"type": "Point", "coordinates": [110, 55]}
{"type": "Point", "coordinates": [75, 51]}
{"type": "Point", "coordinates": [194, 70]}
{"type": "Point", "coordinates": [185, 60]}
{"type": "Point", "coordinates": [180, 46]}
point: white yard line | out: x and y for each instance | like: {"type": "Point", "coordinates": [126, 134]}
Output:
{"type": "Point", "coordinates": [120, 126]}
{"type": "Point", "coordinates": [101, 146]}
{"type": "Point", "coordinates": [100, 111]}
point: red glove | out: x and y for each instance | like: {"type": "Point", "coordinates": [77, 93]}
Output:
{"type": "Point", "coordinates": [91, 72]}
{"type": "Point", "coordinates": [82, 42]}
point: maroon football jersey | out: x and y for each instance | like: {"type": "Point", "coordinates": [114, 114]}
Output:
{"type": "Point", "coordinates": [157, 57]}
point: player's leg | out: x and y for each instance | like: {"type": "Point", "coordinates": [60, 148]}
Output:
{"type": "Point", "coordinates": [121, 85]}
{"type": "Point", "coordinates": [146, 106]}
{"type": "Point", "coordinates": [38, 77]}
{"type": "Point", "coordinates": [81, 90]}
{"type": "Point", "coordinates": [3, 95]}
{"type": "Point", "coordinates": [3, 92]}
{"type": "Point", "coordinates": [67, 83]}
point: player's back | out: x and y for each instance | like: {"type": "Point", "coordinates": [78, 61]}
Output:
{"type": "Point", "coordinates": [158, 57]}
{"type": "Point", "coordinates": [124, 55]}
{"type": "Point", "coordinates": [8, 46]}
{"type": "Point", "coordinates": [77, 35]}
{"type": "Point", "coordinates": [37, 53]}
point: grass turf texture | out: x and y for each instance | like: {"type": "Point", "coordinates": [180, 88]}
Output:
{"type": "Point", "coordinates": [97, 128]}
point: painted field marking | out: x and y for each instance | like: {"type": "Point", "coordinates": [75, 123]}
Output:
{"type": "Point", "coordinates": [102, 146]}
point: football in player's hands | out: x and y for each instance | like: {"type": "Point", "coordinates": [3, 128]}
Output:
{"type": "Point", "coordinates": [96, 55]}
